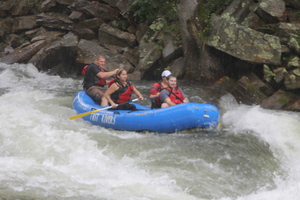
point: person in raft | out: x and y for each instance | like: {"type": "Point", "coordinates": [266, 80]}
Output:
{"type": "Point", "coordinates": [95, 79]}
{"type": "Point", "coordinates": [172, 95]}
{"type": "Point", "coordinates": [120, 91]}
{"type": "Point", "coordinates": [156, 88]}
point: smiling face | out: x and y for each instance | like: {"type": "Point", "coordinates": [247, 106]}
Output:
{"type": "Point", "coordinates": [172, 81]}
{"type": "Point", "coordinates": [122, 75]}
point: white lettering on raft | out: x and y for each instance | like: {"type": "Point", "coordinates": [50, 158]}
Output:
{"type": "Point", "coordinates": [108, 119]}
{"type": "Point", "coordinates": [94, 117]}
{"type": "Point", "coordinates": [141, 114]}
{"type": "Point", "coordinates": [104, 119]}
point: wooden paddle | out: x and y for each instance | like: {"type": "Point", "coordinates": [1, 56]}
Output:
{"type": "Point", "coordinates": [91, 112]}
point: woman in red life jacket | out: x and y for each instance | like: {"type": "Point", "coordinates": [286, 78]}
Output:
{"type": "Point", "coordinates": [120, 89]}
{"type": "Point", "coordinates": [95, 80]}
{"type": "Point", "coordinates": [173, 94]}
{"type": "Point", "coordinates": [157, 88]}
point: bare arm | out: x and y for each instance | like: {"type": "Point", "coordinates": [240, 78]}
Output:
{"type": "Point", "coordinates": [137, 93]}
{"type": "Point", "coordinates": [107, 74]}
{"type": "Point", "coordinates": [186, 100]}
{"type": "Point", "coordinates": [109, 91]}
{"type": "Point", "coordinates": [154, 96]}
{"type": "Point", "coordinates": [154, 91]}
{"type": "Point", "coordinates": [169, 102]}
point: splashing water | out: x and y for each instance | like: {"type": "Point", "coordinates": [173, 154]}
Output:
{"type": "Point", "coordinates": [44, 155]}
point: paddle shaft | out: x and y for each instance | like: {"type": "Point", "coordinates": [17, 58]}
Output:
{"type": "Point", "coordinates": [94, 111]}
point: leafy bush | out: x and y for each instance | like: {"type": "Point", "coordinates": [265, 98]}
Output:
{"type": "Point", "coordinates": [149, 10]}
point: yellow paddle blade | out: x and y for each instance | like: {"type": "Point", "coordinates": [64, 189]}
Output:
{"type": "Point", "coordinates": [87, 113]}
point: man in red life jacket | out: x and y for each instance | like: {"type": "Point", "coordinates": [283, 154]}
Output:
{"type": "Point", "coordinates": [173, 94]}
{"type": "Point", "coordinates": [157, 88]}
{"type": "Point", "coordinates": [95, 80]}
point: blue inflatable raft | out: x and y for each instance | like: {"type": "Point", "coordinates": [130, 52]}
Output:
{"type": "Point", "coordinates": [165, 120]}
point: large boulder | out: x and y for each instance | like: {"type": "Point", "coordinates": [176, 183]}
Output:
{"type": "Point", "coordinates": [244, 43]}
{"type": "Point", "coordinates": [23, 55]}
{"type": "Point", "coordinates": [59, 52]}
{"type": "Point", "coordinates": [8, 5]}
{"type": "Point", "coordinates": [148, 54]}
{"type": "Point", "coordinates": [47, 4]}
{"type": "Point", "coordinates": [22, 8]}
{"type": "Point", "coordinates": [111, 35]}
{"type": "Point", "coordinates": [270, 11]}
{"type": "Point", "coordinates": [93, 24]}
{"type": "Point", "coordinates": [295, 106]}
{"type": "Point", "coordinates": [177, 67]}
{"type": "Point", "coordinates": [24, 23]}
{"type": "Point", "coordinates": [6, 26]}
{"type": "Point", "coordinates": [248, 92]}
{"type": "Point", "coordinates": [88, 50]}
{"type": "Point", "coordinates": [287, 30]}
{"type": "Point", "coordinates": [220, 88]}
{"type": "Point", "coordinates": [55, 20]}
{"type": "Point", "coordinates": [280, 100]}
{"type": "Point", "coordinates": [239, 10]}
{"type": "Point", "coordinates": [95, 9]}
{"type": "Point", "coordinates": [263, 87]}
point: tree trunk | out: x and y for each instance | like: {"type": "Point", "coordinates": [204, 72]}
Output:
{"type": "Point", "coordinates": [190, 47]}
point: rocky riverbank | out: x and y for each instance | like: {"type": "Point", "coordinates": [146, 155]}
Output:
{"type": "Point", "coordinates": [252, 50]}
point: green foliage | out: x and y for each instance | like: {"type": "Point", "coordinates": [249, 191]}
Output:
{"type": "Point", "coordinates": [148, 10]}
{"type": "Point", "coordinates": [270, 74]}
{"type": "Point", "coordinates": [3, 2]}
{"type": "Point", "coordinates": [23, 40]}
{"type": "Point", "coordinates": [296, 13]}
{"type": "Point", "coordinates": [206, 9]}
{"type": "Point", "coordinates": [213, 6]}
{"type": "Point", "coordinates": [161, 24]}
{"type": "Point", "coordinates": [283, 100]}
{"type": "Point", "coordinates": [158, 24]}
{"type": "Point", "coordinates": [160, 45]}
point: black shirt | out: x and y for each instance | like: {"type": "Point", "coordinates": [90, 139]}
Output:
{"type": "Point", "coordinates": [90, 77]}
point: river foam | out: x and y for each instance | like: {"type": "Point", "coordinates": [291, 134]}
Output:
{"type": "Point", "coordinates": [44, 155]}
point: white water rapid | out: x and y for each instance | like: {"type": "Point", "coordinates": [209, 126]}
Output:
{"type": "Point", "coordinates": [44, 155]}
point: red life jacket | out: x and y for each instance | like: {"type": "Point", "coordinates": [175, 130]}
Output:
{"type": "Point", "coordinates": [175, 95]}
{"type": "Point", "coordinates": [123, 94]}
{"type": "Point", "coordinates": [111, 82]}
{"type": "Point", "coordinates": [101, 81]}
{"type": "Point", "coordinates": [157, 87]}
{"type": "Point", "coordinates": [83, 72]}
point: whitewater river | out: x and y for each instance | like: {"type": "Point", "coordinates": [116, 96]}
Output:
{"type": "Point", "coordinates": [44, 155]}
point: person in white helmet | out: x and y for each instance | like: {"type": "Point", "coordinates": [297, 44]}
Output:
{"type": "Point", "coordinates": [157, 87]}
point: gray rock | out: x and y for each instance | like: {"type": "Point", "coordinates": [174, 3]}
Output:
{"type": "Point", "coordinates": [292, 79]}
{"type": "Point", "coordinates": [111, 35]}
{"type": "Point", "coordinates": [279, 100]}
{"type": "Point", "coordinates": [55, 20]}
{"type": "Point", "coordinates": [270, 11]}
{"type": "Point", "coordinates": [244, 43]}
